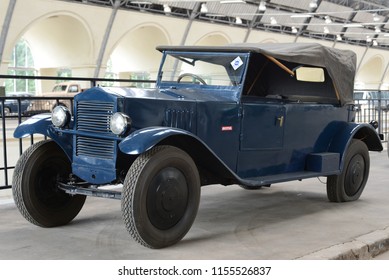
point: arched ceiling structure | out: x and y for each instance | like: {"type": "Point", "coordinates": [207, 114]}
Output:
{"type": "Point", "coordinates": [59, 40]}
{"type": "Point", "coordinates": [85, 34]}
{"type": "Point", "coordinates": [357, 22]}
{"type": "Point", "coordinates": [132, 54]}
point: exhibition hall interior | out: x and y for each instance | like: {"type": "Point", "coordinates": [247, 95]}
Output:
{"type": "Point", "coordinates": [173, 130]}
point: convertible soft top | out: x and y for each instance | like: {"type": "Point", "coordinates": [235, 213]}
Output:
{"type": "Point", "coordinates": [340, 64]}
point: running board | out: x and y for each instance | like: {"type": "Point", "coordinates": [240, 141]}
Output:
{"type": "Point", "coordinates": [89, 191]}
{"type": "Point", "coordinates": [284, 177]}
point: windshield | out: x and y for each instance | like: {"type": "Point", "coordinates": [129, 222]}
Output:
{"type": "Point", "coordinates": [212, 69]}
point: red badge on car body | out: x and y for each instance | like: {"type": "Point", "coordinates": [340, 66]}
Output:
{"type": "Point", "coordinates": [227, 128]}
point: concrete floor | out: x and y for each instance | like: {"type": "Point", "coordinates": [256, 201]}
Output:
{"type": "Point", "coordinates": [287, 221]}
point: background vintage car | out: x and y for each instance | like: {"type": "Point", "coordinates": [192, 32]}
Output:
{"type": "Point", "coordinates": [61, 94]}
{"type": "Point", "coordinates": [11, 106]}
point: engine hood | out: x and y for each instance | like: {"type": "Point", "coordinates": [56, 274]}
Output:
{"type": "Point", "coordinates": [185, 94]}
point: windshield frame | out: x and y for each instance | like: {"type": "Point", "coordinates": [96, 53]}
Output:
{"type": "Point", "coordinates": [180, 55]}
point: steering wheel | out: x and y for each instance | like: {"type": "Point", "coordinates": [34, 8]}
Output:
{"type": "Point", "coordinates": [196, 77]}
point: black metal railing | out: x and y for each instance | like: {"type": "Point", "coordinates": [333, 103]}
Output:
{"type": "Point", "coordinates": [15, 109]}
{"type": "Point", "coordinates": [371, 106]}
{"type": "Point", "coordinates": [374, 106]}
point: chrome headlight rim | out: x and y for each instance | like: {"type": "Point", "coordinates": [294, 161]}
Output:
{"type": "Point", "coordinates": [120, 123]}
{"type": "Point", "coordinates": [60, 116]}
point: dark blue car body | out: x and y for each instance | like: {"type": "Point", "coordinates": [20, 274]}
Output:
{"type": "Point", "coordinates": [254, 125]}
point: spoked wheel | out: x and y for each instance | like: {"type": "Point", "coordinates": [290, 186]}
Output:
{"type": "Point", "coordinates": [349, 185]}
{"type": "Point", "coordinates": [35, 190]}
{"type": "Point", "coordinates": [160, 197]}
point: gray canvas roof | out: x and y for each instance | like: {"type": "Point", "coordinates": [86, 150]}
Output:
{"type": "Point", "coordinates": [340, 64]}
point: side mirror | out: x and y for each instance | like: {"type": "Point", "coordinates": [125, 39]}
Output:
{"type": "Point", "coordinates": [310, 74]}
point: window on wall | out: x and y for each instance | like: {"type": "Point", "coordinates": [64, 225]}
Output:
{"type": "Point", "coordinates": [22, 64]}
{"type": "Point", "coordinates": [140, 76]}
{"type": "Point", "coordinates": [109, 74]}
{"type": "Point", "coordinates": [63, 72]}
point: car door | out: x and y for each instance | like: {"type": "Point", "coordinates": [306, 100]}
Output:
{"type": "Point", "coordinates": [262, 126]}
{"type": "Point", "coordinates": [261, 138]}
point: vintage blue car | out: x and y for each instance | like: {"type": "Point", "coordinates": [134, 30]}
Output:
{"type": "Point", "coordinates": [245, 114]}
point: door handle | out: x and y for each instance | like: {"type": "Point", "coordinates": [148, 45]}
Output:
{"type": "Point", "coordinates": [280, 121]}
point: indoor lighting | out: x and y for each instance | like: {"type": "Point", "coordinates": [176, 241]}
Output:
{"type": "Point", "coordinates": [232, 1]}
{"type": "Point", "coordinates": [352, 25]}
{"type": "Point", "coordinates": [262, 6]}
{"type": "Point", "coordinates": [273, 21]}
{"type": "Point", "coordinates": [238, 20]}
{"type": "Point", "coordinates": [301, 16]}
{"type": "Point", "coordinates": [203, 9]}
{"type": "Point", "coordinates": [328, 19]}
{"type": "Point", "coordinates": [167, 9]}
{"type": "Point", "coordinates": [313, 4]}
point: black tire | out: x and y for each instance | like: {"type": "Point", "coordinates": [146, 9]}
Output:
{"type": "Point", "coordinates": [34, 188]}
{"type": "Point", "coordinates": [160, 198]}
{"type": "Point", "coordinates": [349, 185]}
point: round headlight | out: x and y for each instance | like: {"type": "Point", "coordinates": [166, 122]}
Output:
{"type": "Point", "coordinates": [120, 123]}
{"type": "Point", "coordinates": [60, 116]}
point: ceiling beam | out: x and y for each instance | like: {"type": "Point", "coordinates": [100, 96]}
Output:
{"type": "Point", "coordinates": [6, 24]}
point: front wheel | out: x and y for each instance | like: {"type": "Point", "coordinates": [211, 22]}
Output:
{"type": "Point", "coordinates": [349, 185]}
{"type": "Point", "coordinates": [160, 198]}
{"type": "Point", "coordinates": [35, 190]}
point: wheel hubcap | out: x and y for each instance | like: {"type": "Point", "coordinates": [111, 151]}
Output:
{"type": "Point", "coordinates": [355, 175]}
{"type": "Point", "coordinates": [167, 198]}
{"type": "Point", "coordinates": [46, 184]}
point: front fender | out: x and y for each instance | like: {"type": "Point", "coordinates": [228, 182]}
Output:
{"type": "Point", "coordinates": [144, 139]}
{"type": "Point", "coordinates": [41, 124]}
{"type": "Point", "coordinates": [38, 124]}
{"type": "Point", "coordinates": [213, 169]}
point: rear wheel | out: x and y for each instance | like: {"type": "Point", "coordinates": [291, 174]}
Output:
{"type": "Point", "coordinates": [160, 197]}
{"type": "Point", "coordinates": [35, 190]}
{"type": "Point", "coordinates": [349, 185]}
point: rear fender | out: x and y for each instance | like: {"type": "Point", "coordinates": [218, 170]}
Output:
{"type": "Point", "coordinates": [41, 124]}
{"type": "Point", "coordinates": [348, 131]}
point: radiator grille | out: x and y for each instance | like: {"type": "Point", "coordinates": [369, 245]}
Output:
{"type": "Point", "coordinates": [94, 117]}
{"type": "Point", "coordinates": [91, 147]}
